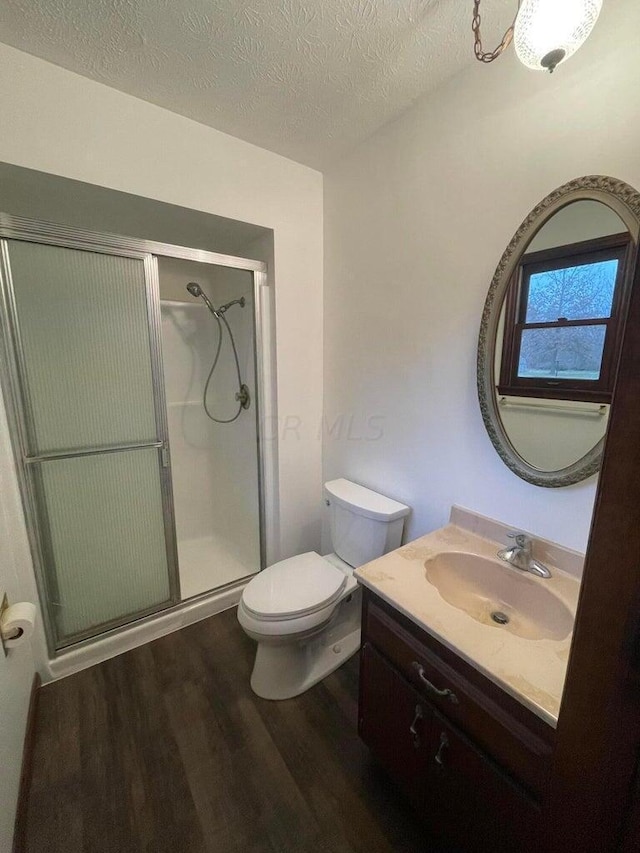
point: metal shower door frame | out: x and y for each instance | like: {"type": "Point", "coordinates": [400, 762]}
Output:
{"type": "Point", "coordinates": [29, 464]}
{"type": "Point", "coordinates": [15, 393]}
{"type": "Point", "coordinates": [263, 413]}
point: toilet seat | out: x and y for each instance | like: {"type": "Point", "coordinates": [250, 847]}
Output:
{"type": "Point", "coordinates": [281, 629]}
{"type": "Point", "coordinates": [290, 589]}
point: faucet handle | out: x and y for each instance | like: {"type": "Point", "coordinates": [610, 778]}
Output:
{"type": "Point", "coordinates": [521, 538]}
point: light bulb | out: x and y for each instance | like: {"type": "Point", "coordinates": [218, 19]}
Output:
{"type": "Point", "coordinates": [547, 32]}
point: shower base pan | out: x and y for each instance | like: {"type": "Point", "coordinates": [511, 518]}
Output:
{"type": "Point", "coordinates": [210, 562]}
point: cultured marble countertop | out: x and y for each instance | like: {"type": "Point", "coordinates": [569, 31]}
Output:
{"type": "Point", "coordinates": [532, 671]}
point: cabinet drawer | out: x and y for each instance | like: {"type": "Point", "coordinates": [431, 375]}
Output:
{"type": "Point", "coordinates": [519, 741]}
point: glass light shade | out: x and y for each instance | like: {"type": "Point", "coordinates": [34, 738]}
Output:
{"type": "Point", "coordinates": [549, 31]}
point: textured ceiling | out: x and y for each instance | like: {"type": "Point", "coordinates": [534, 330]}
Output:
{"type": "Point", "coordinates": [305, 78]}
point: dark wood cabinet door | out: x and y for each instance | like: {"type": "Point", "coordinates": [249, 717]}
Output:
{"type": "Point", "coordinates": [395, 723]}
{"type": "Point", "coordinates": [497, 723]}
{"type": "Point", "coordinates": [470, 803]}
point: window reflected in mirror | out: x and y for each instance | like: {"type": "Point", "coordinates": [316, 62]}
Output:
{"type": "Point", "coordinates": [561, 328]}
{"type": "Point", "coordinates": [559, 335]}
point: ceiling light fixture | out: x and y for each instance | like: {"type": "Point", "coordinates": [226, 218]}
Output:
{"type": "Point", "coordinates": [544, 32]}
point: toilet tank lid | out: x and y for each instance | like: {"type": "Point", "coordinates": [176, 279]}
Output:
{"type": "Point", "coordinates": [364, 502]}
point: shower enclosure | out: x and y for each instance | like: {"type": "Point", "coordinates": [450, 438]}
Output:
{"type": "Point", "coordinates": [215, 476]}
{"type": "Point", "coordinates": [135, 498]}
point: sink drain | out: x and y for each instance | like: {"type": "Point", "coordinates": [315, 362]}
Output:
{"type": "Point", "coordinates": [500, 617]}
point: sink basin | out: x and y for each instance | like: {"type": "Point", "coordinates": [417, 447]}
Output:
{"type": "Point", "coordinates": [485, 588]}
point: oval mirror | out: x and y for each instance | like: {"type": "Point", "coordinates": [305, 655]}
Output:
{"type": "Point", "coordinates": [552, 329]}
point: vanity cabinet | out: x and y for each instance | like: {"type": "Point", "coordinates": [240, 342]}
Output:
{"type": "Point", "coordinates": [473, 760]}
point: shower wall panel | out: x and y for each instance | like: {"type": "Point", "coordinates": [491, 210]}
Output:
{"type": "Point", "coordinates": [214, 466]}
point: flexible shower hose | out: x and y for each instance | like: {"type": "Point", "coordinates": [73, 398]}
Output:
{"type": "Point", "coordinates": [221, 320]}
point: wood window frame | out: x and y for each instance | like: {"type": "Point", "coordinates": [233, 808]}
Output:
{"type": "Point", "coordinates": [614, 246]}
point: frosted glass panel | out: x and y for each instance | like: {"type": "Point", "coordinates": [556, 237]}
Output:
{"type": "Point", "coordinates": [106, 537]}
{"type": "Point", "coordinates": [84, 329]}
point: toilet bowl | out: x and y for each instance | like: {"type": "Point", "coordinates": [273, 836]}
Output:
{"type": "Point", "coordinates": [304, 612]}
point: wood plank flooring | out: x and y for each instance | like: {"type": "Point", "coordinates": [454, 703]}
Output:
{"type": "Point", "coordinates": [166, 748]}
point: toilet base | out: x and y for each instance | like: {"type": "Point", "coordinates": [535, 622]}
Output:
{"type": "Point", "coordinates": [286, 669]}
{"type": "Point", "coordinates": [282, 672]}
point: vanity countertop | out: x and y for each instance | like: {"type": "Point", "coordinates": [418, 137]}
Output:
{"type": "Point", "coordinates": [532, 671]}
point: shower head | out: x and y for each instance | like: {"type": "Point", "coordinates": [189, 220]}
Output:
{"type": "Point", "coordinates": [195, 290]}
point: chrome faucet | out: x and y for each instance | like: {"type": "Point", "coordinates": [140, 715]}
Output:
{"type": "Point", "coordinates": [520, 556]}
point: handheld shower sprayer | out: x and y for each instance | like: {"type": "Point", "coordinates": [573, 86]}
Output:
{"type": "Point", "coordinates": [195, 290]}
{"type": "Point", "coordinates": [243, 396]}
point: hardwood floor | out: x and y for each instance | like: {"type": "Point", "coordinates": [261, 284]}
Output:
{"type": "Point", "coordinates": [166, 748]}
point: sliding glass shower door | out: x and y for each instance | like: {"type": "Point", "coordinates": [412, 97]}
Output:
{"type": "Point", "coordinates": [92, 432]}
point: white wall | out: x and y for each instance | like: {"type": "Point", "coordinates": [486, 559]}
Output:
{"type": "Point", "coordinates": [582, 220]}
{"type": "Point", "coordinates": [67, 125]}
{"type": "Point", "coordinates": [416, 220]}
{"type": "Point", "coordinates": [552, 434]}
{"type": "Point", "coordinates": [16, 670]}
{"type": "Point", "coordinates": [78, 204]}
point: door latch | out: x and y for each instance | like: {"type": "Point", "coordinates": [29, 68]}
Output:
{"type": "Point", "coordinates": [165, 457]}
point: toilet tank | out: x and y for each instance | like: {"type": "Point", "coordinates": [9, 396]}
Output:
{"type": "Point", "coordinates": [364, 524]}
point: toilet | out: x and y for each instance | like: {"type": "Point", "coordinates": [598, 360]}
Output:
{"type": "Point", "coordinates": [304, 612]}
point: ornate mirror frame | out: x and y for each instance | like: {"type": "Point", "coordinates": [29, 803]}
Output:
{"type": "Point", "coordinates": [623, 200]}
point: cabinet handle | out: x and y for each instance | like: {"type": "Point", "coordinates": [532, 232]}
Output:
{"type": "Point", "coordinates": [415, 734]}
{"type": "Point", "coordinates": [444, 743]}
{"type": "Point", "coordinates": [442, 694]}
